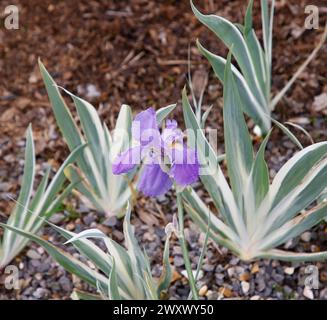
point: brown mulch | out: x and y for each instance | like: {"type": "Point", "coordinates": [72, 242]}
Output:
{"type": "Point", "coordinates": [135, 52]}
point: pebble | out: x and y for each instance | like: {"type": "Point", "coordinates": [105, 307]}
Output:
{"type": "Point", "coordinates": [212, 295]}
{"type": "Point", "coordinates": [234, 261]}
{"type": "Point", "coordinates": [70, 226]}
{"type": "Point", "coordinates": [203, 290]}
{"type": "Point", "coordinates": [306, 236]}
{"type": "Point", "coordinates": [32, 254]}
{"type": "Point", "coordinates": [231, 272]}
{"type": "Point", "coordinates": [178, 261]}
{"type": "Point", "coordinates": [40, 293]}
{"type": "Point", "coordinates": [110, 222]}
{"type": "Point", "coordinates": [43, 267]}
{"type": "Point", "coordinates": [88, 219]}
{"type": "Point", "coordinates": [307, 292]}
{"type": "Point", "coordinates": [245, 287]}
{"type": "Point", "coordinates": [261, 284]}
{"type": "Point", "coordinates": [245, 276]}
{"type": "Point", "coordinates": [226, 292]}
{"type": "Point", "coordinates": [56, 218]}
{"type": "Point", "coordinates": [208, 267]}
{"type": "Point", "coordinates": [289, 270]}
{"type": "Point", "coordinates": [255, 268]}
{"type": "Point", "coordinates": [65, 284]}
{"type": "Point", "coordinates": [277, 277]}
{"type": "Point", "coordinates": [323, 294]}
{"type": "Point", "coordinates": [119, 235]}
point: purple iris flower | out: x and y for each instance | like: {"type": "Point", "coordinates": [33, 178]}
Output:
{"type": "Point", "coordinates": [166, 158]}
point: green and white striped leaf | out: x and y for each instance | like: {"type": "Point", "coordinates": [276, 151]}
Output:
{"type": "Point", "coordinates": [67, 261]}
{"type": "Point", "coordinates": [251, 106]}
{"type": "Point", "coordinates": [234, 40]}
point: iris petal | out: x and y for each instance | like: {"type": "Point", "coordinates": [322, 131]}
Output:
{"type": "Point", "coordinates": [185, 169]}
{"type": "Point", "coordinates": [127, 160]}
{"type": "Point", "coordinates": [153, 181]}
{"type": "Point", "coordinates": [145, 128]}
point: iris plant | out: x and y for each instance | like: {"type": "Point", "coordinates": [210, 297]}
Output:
{"type": "Point", "coordinates": [166, 161]}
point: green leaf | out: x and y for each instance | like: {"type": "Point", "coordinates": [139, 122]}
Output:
{"type": "Point", "coordinates": [113, 292]}
{"type": "Point", "coordinates": [67, 261]}
{"type": "Point", "coordinates": [293, 171]}
{"type": "Point", "coordinates": [292, 137]}
{"type": "Point", "coordinates": [19, 216]}
{"type": "Point", "coordinates": [238, 145]}
{"type": "Point", "coordinates": [63, 116]}
{"type": "Point", "coordinates": [258, 59]}
{"type": "Point", "coordinates": [210, 173]}
{"type": "Point", "coordinates": [293, 256]}
{"type": "Point", "coordinates": [233, 39]}
{"type": "Point", "coordinates": [166, 274]}
{"type": "Point", "coordinates": [295, 227]}
{"type": "Point", "coordinates": [251, 106]}
{"type": "Point", "coordinates": [260, 173]}
{"type": "Point", "coordinates": [82, 295]}
{"type": "Point", "coordinates": [248, 18]}
{"type": "Point", "coordinates": [162, 113]}
{"type": "Point", "coordinates": [88, 249]}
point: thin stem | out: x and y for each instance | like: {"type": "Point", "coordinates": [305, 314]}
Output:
{"type": "Point", "coordinates": [184, 248]}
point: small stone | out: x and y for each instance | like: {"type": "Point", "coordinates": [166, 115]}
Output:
{"type": "Point", "coordinates": [278, 277]}
{"type": "Point", "coordinates": [43, 267]}
{"type": "Point", "coordinates": [38, 276]}
{"type": "Point", "coordinates": [178, 261]}
{"type": "Point", "coordinates": [92, 91]}
{"type": "Point", "coordinates": [307, 292]}
{"type": "Point", "coordinates": [257, 131]}
{"type": "Point", "coordinates": [88, 219]}
{"type": "Point", "coordinates": [56, 218]}
{"type": "Point", "coordinates": [323, 294]}
{"type": "Point", "coordinates": [245, 276]}
{"type": "Point", "coordinates": [32, 254]}
{"type": "Point", "coordinates": [149, 236]}
{"type": "Point", "coordinates": [119, 235]}
{"type": "Point", "coordinates": [40, 293]}
{"type": "Point", "coordinates": [245, 287]}
{"type": "Point", "coordinates": [261, 285]}
{"type": "Point", "coordinates": [306, 236]}
{"type": "Point", "coordinates": [203, 290]}
{"type": "Point", "coordinates": [234, 261]}
{"type": "Point", "coordinates": [255, 298]}
{"type": "Point", "coordinates": [255, 268]}
{"type": "Point", "coordinates": [212, 295]}
{"type": "Point", "coordinates": [231, 272]}
{"type": "Point", "coordinates": [226, 292]}
{"type": "Point", "coordinates": [65, 284]}
{"type": "Point", "coordinates": [177, 250]}
{"type": "Point", "coordinates": [70, 226]}
{"type": "Point", "coordinates": [208, 267]}
{"type": "Point", "coordinates": [110, 222]}
{"type": "Point", "coordinates": [289, 270]}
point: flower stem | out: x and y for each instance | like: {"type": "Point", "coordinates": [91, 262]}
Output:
{"type": "Point", "coordinates": [184, 248]}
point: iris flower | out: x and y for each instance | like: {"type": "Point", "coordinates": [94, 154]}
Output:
{"type": "Point", "coordinates": [165, 156]}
